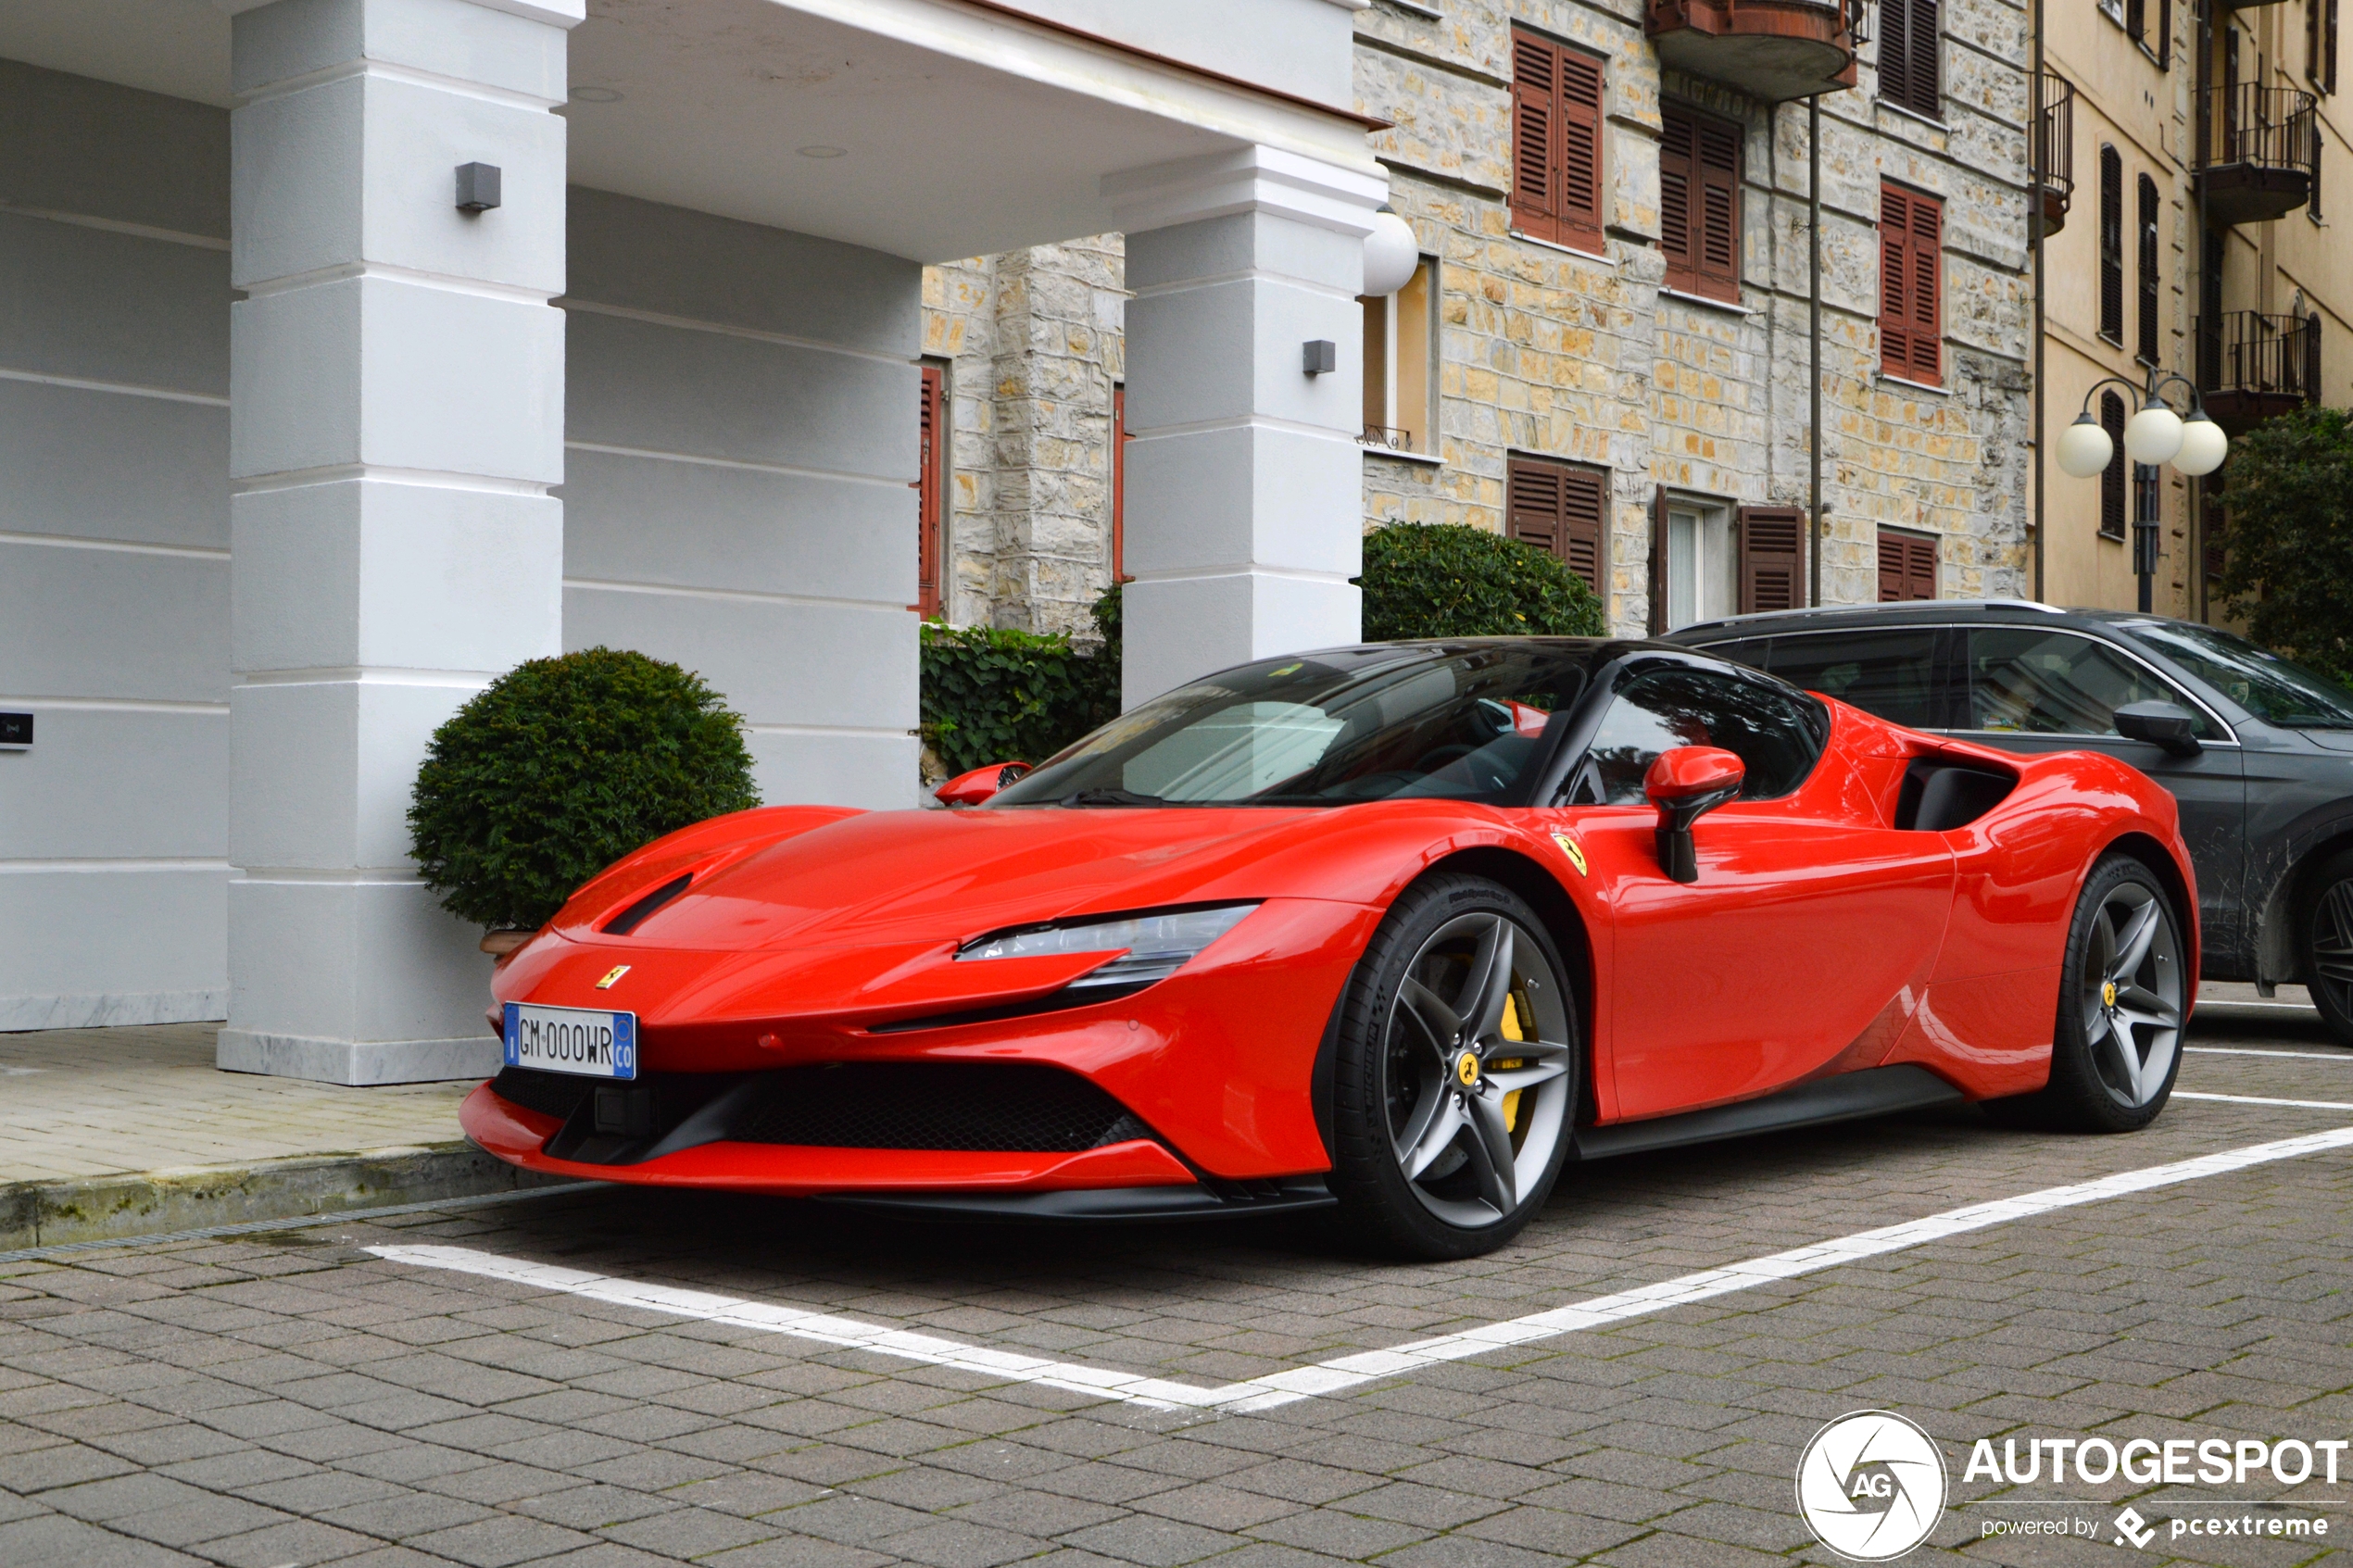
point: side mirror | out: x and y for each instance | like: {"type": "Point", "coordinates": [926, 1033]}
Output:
{"type": "Point", "coordinates": [2165, 724]}
{"type": "Point", "coordinates": [1685, 784]}
{"type": "Point", "coordinates": [971, 789]}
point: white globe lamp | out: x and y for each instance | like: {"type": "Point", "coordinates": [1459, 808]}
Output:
{"type": "Point", "coordinates": [2152, 436]}
{"type": "Point", "coordinates": [1392, 255]}
{"type": "Point", "coordinates": [2084, 448]}
{"type": "Point", "coordinates": [2203, 445]}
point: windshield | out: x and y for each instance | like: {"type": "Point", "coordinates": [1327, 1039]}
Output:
{"type": "Point", "coordinates": [1456, 724]}
{"type": "Point", "coordinates": [2274, 689]}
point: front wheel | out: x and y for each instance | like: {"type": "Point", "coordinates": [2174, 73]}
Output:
{"type": "Point", "coordinates": [2117, 1044]}
{"type": "Point", "coordinates": [2325, 933]}
{"type": "Point", "coordinates": [1455, 1088]}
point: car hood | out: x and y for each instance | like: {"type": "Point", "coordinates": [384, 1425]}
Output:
{"type": "Point", "coordinates": [2334, 740]}
{"type": "Point", "coordinates": [885, 878]}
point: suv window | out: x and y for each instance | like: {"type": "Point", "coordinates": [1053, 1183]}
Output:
{"type": "Point", "coordinates": [2026, 680]}
{"type": "Point", "coordinates": [2274, 689]}
{"type": "Point", "coordinates": [1891, 673]}
{"type": "Point", "coordinates": [1776, 734]}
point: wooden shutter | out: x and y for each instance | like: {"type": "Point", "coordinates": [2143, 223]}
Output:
{"type": "Point", "coordinates": [1558, 509]}
{"type": "Point", "coordinates": [1678, 177]}
{"type": "Point", "coordinates": [2312, 358]}
{"type": "Point", "coordinates": [2165, 33]}
{"type": "Point", "coordinates": [1658, 562]}
{"type": "Point", "coordinates": [2150, 290]}
{"type": "Point", "coordinates": [1717, 228]}
{"type": "Point", "coordinates": [1911, 285]}
{"type": "Point", "coordinates": [1907, 567]}
{"type": "Point", "coordinates": [931, 432]}
{"type": "Point", "coordinates": [1557, 143]}
{"type": "Point", "coordinates": [2111, 245]}
{"type": "Point", "coordinates": [1119, 482]}
{"type": "Point", "coordinates": [2112, 477]}
{"type": "Point", "coordinates": [1770, 570]}
{"type": "Point", "coordinates": [1907, 48]}
{"type": "Point", "coordinates": [2329, 46]}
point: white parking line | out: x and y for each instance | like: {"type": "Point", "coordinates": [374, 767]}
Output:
{"type": "Point", "coordinates": [1348, 1371]}
{"type": "Point", "coordinates": [2241, 1050]}
{"type": "Point", "coordinates": [2259, 1099]}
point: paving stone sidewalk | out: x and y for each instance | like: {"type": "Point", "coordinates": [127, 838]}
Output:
{"type": "Point", "coordinates": [264, 1401]}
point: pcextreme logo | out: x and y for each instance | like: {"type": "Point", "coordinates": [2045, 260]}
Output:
{"type": "Point", "coordinates": [1870, 1485]}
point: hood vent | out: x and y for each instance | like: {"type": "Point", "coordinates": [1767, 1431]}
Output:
{"type": "Point", "coordinates": [634, 915]}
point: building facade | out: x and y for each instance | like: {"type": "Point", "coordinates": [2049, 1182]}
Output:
{"type": "Point", "coordinates": [1608, 348]}
{"type": "Point", "coordinates": [2195, 153]}
{"type": "Point", "coordinates": [354, 351]}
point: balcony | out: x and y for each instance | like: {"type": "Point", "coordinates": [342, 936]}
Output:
{"type": "Point", "coordinates": [2054, 146]}
{"type": "Point", "coordinates": [1773, 50]}
{"type": "Point", "coordinates": [2252, 366]}
{"type": "Point", "coordinates": [2258, 153]}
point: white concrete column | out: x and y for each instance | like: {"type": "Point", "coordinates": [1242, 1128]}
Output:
{"type": "Point", "coordinates": [395, 421]}
{"type": "Point", "coordinates": [1245, 491]}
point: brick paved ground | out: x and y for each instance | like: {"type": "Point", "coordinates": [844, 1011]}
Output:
{"type": "Point", "coordinates": [289, 1398]}
{"type": "Point", "coordinates": [103, 1102]}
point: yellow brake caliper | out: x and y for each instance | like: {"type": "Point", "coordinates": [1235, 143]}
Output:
{"type": "Point", "coordinates": [1511, 1031]}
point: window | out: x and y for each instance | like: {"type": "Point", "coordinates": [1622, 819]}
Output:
{"type": "Point", "coordinates": [1892, 673]}
{"type": "Point", "coordinates": [1907, 73]}
{"type": "Point", "coordinates": [1557, 143]}
{"type": "Point", "coordinates": [2151, 290]}
{"type": "Point", "coordinates": [2112, 477]}
{"type": "Point", "coordinates": [1557, 507]}
{"type": "Point", "coordinates": [2023, 680]}
{"type": "Point", "coordinates": [931, 451]}
{"type": "Point", "coordinates": [1701, 567]}
{"type": "Point", "coordinates": [2135, 19]}
{"type": "Point", "coordinates": [1698, 203]}
{"type": "Point", "coordinates": [1776, 733]}
{"type": "Point", "coordinates": [1906, 565]}
{"type": "Point", "coordinates": [1119, 482]}
{"type": "Point", "coordinates": [2274, 689]}
{"type": "Point", "coordinates": [1911, 333]}
{"type": "Point", "coordinates": [2319, 45]}
{"type": "Point", "coordinates": [2111, 245]}
{"type": "Point", "coordinates": [1401, 356]}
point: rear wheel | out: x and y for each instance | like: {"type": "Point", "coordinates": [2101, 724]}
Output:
{"type": "Point", "coordinates": [2117, 1044]}
{"type": "Point", "coordinates": [1455, 1084]}
{"type": "Point", "coordinates": [2324, 930]}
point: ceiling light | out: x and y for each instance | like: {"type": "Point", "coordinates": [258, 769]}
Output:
{"type": "Point", "coordinates": [595, 95]}
{"type": "Point", "coordinates": [821, 152]}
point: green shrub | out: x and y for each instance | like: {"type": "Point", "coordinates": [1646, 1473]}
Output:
{"type": "Point", "coordinates": [991, 695]}
{"type": "Point", "coordinates": [561, 767]}
{"type": "Point", "coordinates": [2288, 572]}
{"type": "Point", "coordinates": [1446, 580]}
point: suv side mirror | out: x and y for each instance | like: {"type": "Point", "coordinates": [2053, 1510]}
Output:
{"type": "Point", "coordinates": [971, 789]}
{"type": "Point", "coordinates": [1685, 784]}
{"type": "Point", "coordinates": [2165, 724]}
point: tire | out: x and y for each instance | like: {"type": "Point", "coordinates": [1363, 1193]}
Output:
{"type": "Point", "coordinates": [2324, 943]}
{"type": "Point", "coordinates": [2116, 1046]}
{"type": "Point", "coordinates": [1457, 1069]}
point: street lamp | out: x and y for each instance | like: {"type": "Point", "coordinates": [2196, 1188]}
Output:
{"type": "Point", "coordinates": [2154, 434]}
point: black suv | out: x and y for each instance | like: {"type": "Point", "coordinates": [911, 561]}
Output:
{"type": "Point", "coordinates": [2257, 750]}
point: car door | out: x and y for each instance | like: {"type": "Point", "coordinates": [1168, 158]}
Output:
{"type": "Point", "coordinates": [1811, 923]}
{"type": "Point", "coordinates": [2039, 689]}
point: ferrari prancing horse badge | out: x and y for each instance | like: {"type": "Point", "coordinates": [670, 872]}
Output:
{"type": "Point", "coordinates": [1574, 850]}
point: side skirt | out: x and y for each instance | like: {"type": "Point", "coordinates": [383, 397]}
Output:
{"type": "Point", "coordinates": [1874, 1091]}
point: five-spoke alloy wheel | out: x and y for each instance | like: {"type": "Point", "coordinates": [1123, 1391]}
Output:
{"type": "Point", "coordinates": [1457, 1067]}
{"type": "Point", "coordinates": [2122, 995]}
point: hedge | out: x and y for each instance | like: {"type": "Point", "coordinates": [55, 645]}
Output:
{"type": "Point", "coordinates": [1447, 580]}
{"type": "Point", "coordinates": [993, 695]}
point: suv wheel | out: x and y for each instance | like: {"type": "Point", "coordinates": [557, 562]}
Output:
{"type": "Point", "coordinates": [2324, 933]}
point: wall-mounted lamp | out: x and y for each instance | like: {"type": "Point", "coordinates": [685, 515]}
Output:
{"type": "Point", "coordinates": [1391, 254]}
{"type": "Point", "coordinates": [477, 187]}
{"type": "Point", "coordinates": [2154, 434]}
{"type": "Point", "coordinates": [1320, 356]}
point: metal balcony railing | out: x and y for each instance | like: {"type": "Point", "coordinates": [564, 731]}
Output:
{"type": "Point", "coordinates": [2054, 150]}
{"type": "Point", "coordinates": [2259, 152]}
{"type": "Point", "coordinates": [2253, 365]}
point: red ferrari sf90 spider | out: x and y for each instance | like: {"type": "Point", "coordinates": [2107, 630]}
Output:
{"type": "Point", "coordinates": [1397, 930]}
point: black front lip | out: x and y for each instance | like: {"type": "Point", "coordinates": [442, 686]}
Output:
{"type": "Point", "coordinates": [1209, 1201]}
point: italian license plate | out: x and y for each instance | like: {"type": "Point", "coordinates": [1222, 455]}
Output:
{"type": "Point", "coordinates": [584, 1043]}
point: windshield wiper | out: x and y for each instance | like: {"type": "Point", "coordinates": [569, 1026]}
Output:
{"type": "Point", "coordinates": [1109, 797]}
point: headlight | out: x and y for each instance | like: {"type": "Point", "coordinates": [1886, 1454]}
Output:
{"type": "Point", "coordinates": [1157, 945]}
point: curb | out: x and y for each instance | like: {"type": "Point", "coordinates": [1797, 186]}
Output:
{"type": "Point", "coordinates": [156, 1202]}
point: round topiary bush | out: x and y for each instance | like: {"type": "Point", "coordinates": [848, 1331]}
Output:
{"type": "Point", "coordinates": [561, 767]}
{"type": "Point", "coordinates": [1446, 580]}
